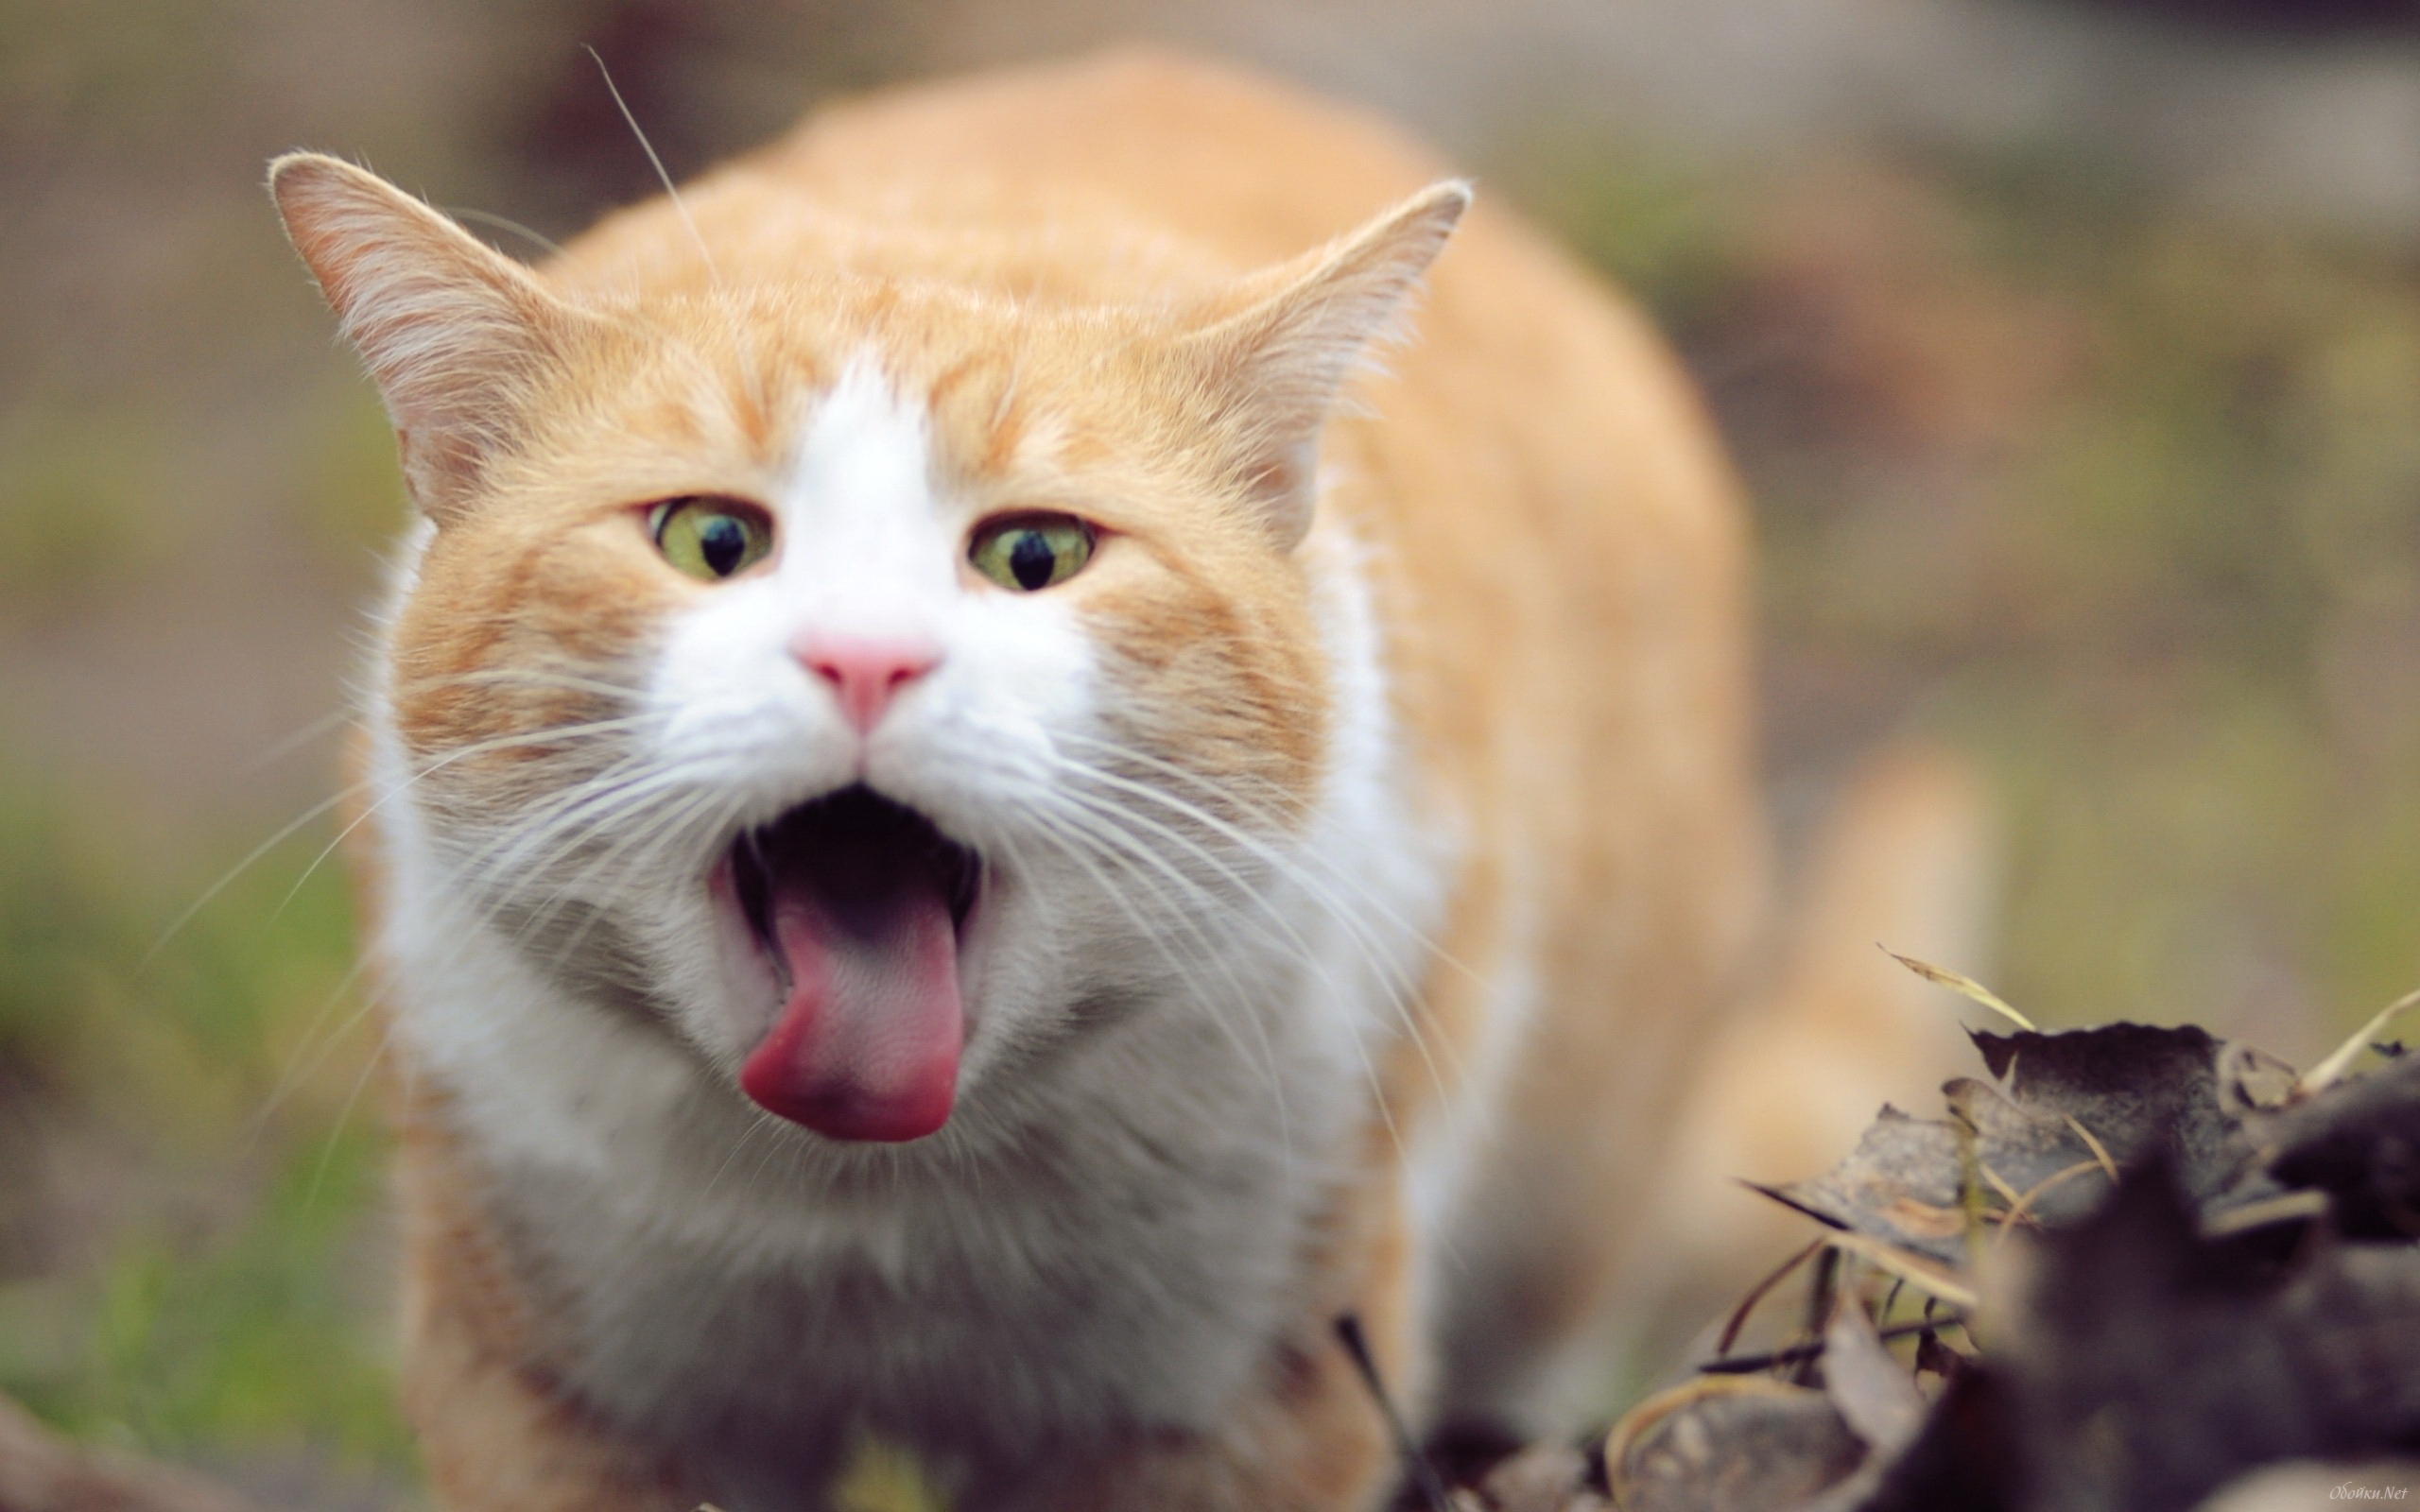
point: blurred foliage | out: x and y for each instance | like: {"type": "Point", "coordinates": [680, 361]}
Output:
{"type": "Point", "coordinates": [882, 1477]}
{"type": "Point", "coordinates": [103, 74]}
{"type": "Point", "coordinates": [349, 497]}
{"type": "Point", "coordinates": [188, 1262]}
{"type": "Point", "coordinates": [2124, 494]}
{"type": "Point", "coordinates": [75, 507]}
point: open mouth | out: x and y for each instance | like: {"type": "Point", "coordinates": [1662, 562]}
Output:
{"type": "Point", "coordinates": [859, 907]}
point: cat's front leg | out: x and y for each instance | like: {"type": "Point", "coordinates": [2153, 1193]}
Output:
{"type": "Point", "coordinates": [496, 1437]}
{"type": "Point", "coordinates": [1307, 1439]}
{"type": "Point", "coordinates": [496, 1433]}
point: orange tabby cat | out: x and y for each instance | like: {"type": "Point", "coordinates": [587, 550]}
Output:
{"type": "Point", "coordinates": [981, 825]}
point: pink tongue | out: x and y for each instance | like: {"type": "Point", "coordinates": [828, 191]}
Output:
{"type": "Point", "coordinates": [866, 1047]}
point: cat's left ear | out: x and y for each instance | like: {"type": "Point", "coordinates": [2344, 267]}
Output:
{"type": "Point", "coordinates": [452, 330]}
{"type": "Point", "coordinates": [1274, 370]}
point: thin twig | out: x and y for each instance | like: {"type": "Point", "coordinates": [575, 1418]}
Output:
{"type": "Point", "coordinates": [2327, 1072]}
{"type": "Point", "coordinates": [1739, 1319]}
{"type": "Point", "coordinates": [1820, 1294]}
{"type": "Point", "coordinates": [2022, 1210]}
{"type": "Point", "coordinates": [1917, 1270]}
{"type": "Point", "coordinates": [1422, 1474]}
{"type": "Point", "coordinates": [1745, 1364]}
{"type": "Point", "coordinates": [2000, 1184]}
{"type": "Point", "coordinates": [2100, 1151]}
{"type": "Point", "coordinates": [1964, 986]}
{"type": "Point", "coordinates": [2287, 1207]}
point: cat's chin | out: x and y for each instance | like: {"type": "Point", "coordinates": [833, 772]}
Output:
{"type": "Point", "coordinates": [856, 909]}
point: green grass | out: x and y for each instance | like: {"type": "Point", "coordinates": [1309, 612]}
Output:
{"type": "Point", "coordinates": [76, 494]}
{"type": "Point", "coordinates": [221, 1289]}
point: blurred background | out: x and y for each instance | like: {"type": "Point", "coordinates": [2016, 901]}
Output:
{"type": "Point", "coordinates": [2071, 350]}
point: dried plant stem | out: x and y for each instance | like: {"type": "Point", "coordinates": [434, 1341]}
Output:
{"type": "Point", "coordinates": [1416, 1468]}
{"type": "Point", "coordinates": [2100, 1151]}
{"type": "Point", "coordinates": [1739, 1319]}
{"type": "Point", "coordinates": [1915, 1270]}
{"type": "Point", "coordinates": [1742, 1365]}
{"type": "Point", "coordinates": [2021, 1208]}
{"type": "Point", "coordinates": [1964, 986]}
{"type": "Point", "coordinates": [2327, 1070]}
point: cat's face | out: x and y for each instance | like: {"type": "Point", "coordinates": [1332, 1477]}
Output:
{"type": "Point", "coordinates": [868, 686]}
{"type": "Point", "coordinates": [864, 807]}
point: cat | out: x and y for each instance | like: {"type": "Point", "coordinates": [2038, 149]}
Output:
{"type": "Point", "coordinates": [1009, 769]}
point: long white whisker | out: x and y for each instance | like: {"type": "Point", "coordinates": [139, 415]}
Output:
{"type": "Point", "coordinates": [1303, 951]}
{"type": "Point", "coordinates": [1397, 991]}
{"type": "Point", "coordinates": [344, 1115]}
{"type": "Point", "coordinates": [1268, 855]}
{"type": "Point", "coordinates": [312, 1048]}
{"type": "Point", "coordinates": [542, 839]}
{"type": "Point", "coordinates": [1208, 954]}
{"type": "Point", "coordinates": [705, 253]}
{"type": "Point", "coordinates": [678, 815]}
{"type": "Point", "coordinates": [544, 736]}
{"type": "Point", "coordinates": [1277, 819]}
{"type": "Point", "coordinates": [1400, 990]}
{"type": "Point", "coordinates": [286, 746]}
{"type": "Point", "coordinates": [739, 341]}
{"type": "Point", "coordinates": [284, 833]}
{"type": "Point", "coordinates": [504, 223]}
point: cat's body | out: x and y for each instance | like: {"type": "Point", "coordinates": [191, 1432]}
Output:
{"type": "Point", "coordinates": [1436, 851]}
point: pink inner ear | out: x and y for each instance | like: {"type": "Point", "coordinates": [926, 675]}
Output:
{"type": "Point", "coordinates": [447, 326]}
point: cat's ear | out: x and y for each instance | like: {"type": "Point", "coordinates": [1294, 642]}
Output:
{"type": "Point", "coordinates": [1274, 368]}
{"type": "Point", "coordinates": [451, 330]}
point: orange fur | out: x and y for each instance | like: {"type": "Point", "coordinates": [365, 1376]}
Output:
{"type": "Point", "coordinates": [1905, 864]}
{"type": "Point", "coordinates": [1111, 287]}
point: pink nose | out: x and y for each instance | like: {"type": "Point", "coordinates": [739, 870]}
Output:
{"type": "Point", "coordinates": [865, 674]}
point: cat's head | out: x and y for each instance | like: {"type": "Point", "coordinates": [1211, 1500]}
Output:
{"type": "Point", "coordinates": [864, 681]}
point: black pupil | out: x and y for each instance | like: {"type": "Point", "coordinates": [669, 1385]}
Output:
{"type": "Point", "coordinates": [1032, 560]}
{"type": "Point", "coordinates": [723, 540]}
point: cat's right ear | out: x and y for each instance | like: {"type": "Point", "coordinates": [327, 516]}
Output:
{"type": "Point", "coordinates": [451, 330]}
{"type": "Point", "coordinates": [1275, 366]}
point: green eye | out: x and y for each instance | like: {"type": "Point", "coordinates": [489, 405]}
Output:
{"type": "Point", "coordinates": [710, 539]}
{"type": "Point", "coordinates": [1032, 551]}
